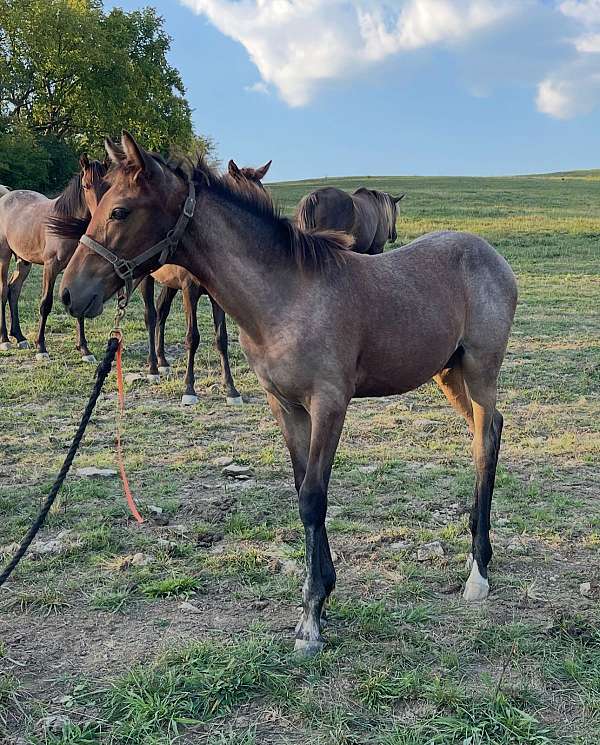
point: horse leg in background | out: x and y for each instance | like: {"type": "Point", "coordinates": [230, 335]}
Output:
{"type": "Point", "coordinates": [481, 382]}
{"type": "Point", "coordinates": [327, 414]}
{"type": "Point", "coordinates": [82, 345]}
{"type": "Point", "coordinates": [163, 308]}
{"type": "Point", "coordinates": [48, 279]}
{"type": "Point", "coordinates": [14, 293]}
{"type": "Point", "coordinates": [147, 290]}
{"type": "Point", "coordinates": [5, 256]}
{"type": "Point", "coordinates": [191, 294]}
{"type": "Point", "coordinates": [222, 345]}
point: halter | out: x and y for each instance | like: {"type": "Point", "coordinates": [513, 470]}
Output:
{"type": "Point", "coordinates": [125, 268]}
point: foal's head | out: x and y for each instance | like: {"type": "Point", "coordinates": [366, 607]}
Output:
{"type": "Point", "coordinates": [92, 180]}
{"type": "Point", "coordinates": [140, 203]}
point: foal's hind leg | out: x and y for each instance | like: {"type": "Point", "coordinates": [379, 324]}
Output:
{"type": "Point", "coordinates": [221, 343]}
{"type": "Point", "coordinates": [5, 256]}
{"type": "Point", "coordinates": [14, 292]}
{"type": "Point", "coordinates": [452, 384]}
{"type": "Point", "coordinates": [481, 380]}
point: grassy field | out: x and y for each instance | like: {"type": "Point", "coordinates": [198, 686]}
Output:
{"type": "Point", "coordinates": [183, 632]}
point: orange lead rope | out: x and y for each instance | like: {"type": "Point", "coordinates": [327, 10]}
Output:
{"type": "Point", "coordinates": [128, 495]}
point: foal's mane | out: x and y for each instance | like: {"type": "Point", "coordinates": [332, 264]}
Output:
{"type": "Point", "coordinates": [71, 200]}
{"type": "Point", "coordinates": [313, 250]}
{"type": "Point", "coordinates": [64, 222]}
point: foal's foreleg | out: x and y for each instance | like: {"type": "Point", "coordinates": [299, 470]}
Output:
{"type": "Point", "coordinates": [147, 290]}
{"type": "Point", "coordinates": [486, 445]}
{"type": "Point", "coordinates": [327, 420]}
{"type": "Point", "coordinates": [48, 279]}
{"type": "Point", "coordinates": [14, 292]}
{"type": "Point", "coordinates": [222, 344]}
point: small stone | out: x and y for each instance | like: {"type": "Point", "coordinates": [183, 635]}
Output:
{"type": "Point", "coordinates": [234, 471]}
{"type": "Point", "coordinates": [222, 461]}
{"type": "Point", "coordinates": [590, 590]}
{"type": "Point", "coordinates": [400, 545]}
{"type": "Point", "coordinates": [54, 723]}
{"type": "Point", "coordinates": [141, 560]}
{"type": "Point", "coordinates": [154, 510]}
{"type": "Point", "coordinates": [132, 378]}
{"type": "Point", "coordinates": [189, 607]}
{"type": "Point", "coordinates": [96, 473]}
{"type": "Point", "coordinates": [429, 551]}
{"type": "Point", "coordinates": [259, 604]}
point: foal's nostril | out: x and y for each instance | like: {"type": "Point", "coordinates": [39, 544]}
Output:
{"type": "Point", "coordinates": [66, 298]}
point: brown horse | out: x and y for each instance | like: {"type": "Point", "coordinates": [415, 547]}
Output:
{"type": "Point", "coordinates": [369, 216]}
{"type": "Point", "coordinates": [24, 232]}
{"type": "Point", "coordinates": [174, 278]}
{"type": "Point", "coordinates": [319, 325]}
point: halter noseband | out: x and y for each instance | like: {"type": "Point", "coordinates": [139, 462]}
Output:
{"type": "Point", "coordinates": [125, 268]}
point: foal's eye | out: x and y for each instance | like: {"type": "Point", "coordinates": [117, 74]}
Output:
{"type": "Point", "coordinates": [120, 213]}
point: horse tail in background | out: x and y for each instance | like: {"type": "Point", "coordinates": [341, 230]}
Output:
{"type": "Point", "coordinates": [306, 214]}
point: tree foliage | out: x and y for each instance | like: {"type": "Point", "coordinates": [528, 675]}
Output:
{"type": "Point", "coordinates": [70, 74]}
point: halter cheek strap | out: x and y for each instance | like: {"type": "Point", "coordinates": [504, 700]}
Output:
{"type": "Point", "coordinates": [125, 268]}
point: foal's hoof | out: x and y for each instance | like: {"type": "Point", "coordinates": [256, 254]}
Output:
{"type": "Point", "coordinates": [235, 401]}
{"type": "Point", "coordinates": [305, 648]}
{"type": "Point", "coordinates": [89, 358]}
{"type": "Point", "coordinates": [166, 371]}
{"type": "Point", "coordinates": [42, 357]}
{"type": "Point", "coordinates": [477, 587]}
{"type": "Point", "coordinates": [153, 378]}
{"type": "Point", "coordinates": [23, 344]}
{"type": "Point", "coordinates": [187, 400]}
{"type": "Point", "coordinates": [6, 346]}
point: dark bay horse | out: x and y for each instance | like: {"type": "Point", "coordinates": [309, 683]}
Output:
{"type": "Point", "coordinates": [320, 325]}
{"type": "Point", "coordinates": [174, 278]}
{"type": "Point", "coordinates": [24, 232]}
{"type": "Point", "coordinates": [368, 215]}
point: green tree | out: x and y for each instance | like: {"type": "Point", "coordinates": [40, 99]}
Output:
{"type": "Point", "coordinates": [70, 74]}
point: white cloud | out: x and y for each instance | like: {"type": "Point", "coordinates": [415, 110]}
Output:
{"type": "Point", "coordinates": [574, 88]}
{"type": "Point", "coordinates": [259, 87]}
{"type": "Point", "coordinates": [299, 44]}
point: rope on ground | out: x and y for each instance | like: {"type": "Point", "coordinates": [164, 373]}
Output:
{"type": "Point", "coordinates": [102, 373]}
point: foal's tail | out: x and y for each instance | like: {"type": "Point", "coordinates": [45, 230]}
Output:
{"type": "Point", "coordinates": [306, 214]}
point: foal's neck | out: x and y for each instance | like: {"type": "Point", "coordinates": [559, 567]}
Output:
{"type": "Point", "coordinates": [235, 255]}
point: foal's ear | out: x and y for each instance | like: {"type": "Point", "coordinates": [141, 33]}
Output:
{"type": "Point", "coordinates": [84, 161]}
{"type": "Point", "coordinates": [233, 169]}
{"type": "Point", "coordinates": [262, 172]}
{"type": "Point", "coordinates": [398, 199]}
{"type": "Point", "coordinates": [138, 157]}
{"type": "Point", "coordinates": [113, 151]}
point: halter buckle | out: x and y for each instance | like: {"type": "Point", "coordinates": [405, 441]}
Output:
{"type": "Point", "coordinates": [189, 207]}
{"type": "Point", "coordinates": [124, 269]}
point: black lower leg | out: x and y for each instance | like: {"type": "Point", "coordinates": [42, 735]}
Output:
{"type": "Point", "coordinates": [147, 290]}
{"type": "Point", "coordinates": [192, 339]}
{"type": "Point", "coordinates": [222, 346]}
{"type": "Point", "coordinates": [163, 308]}
{"type": "Point", "coordinates": [484, 489]}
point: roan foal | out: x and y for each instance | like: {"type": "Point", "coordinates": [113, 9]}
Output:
{"type": "Point", "coordinates": [319, 325]}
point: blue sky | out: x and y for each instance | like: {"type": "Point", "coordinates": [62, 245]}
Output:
{"type": "Point", "coordinates": [349, 87]}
